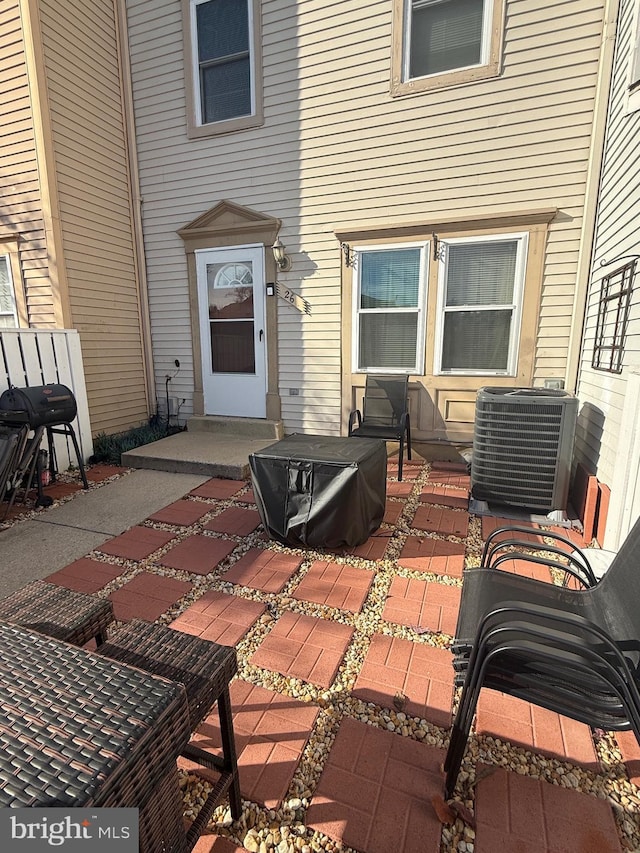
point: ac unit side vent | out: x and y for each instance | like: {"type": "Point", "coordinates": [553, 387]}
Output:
{"type": "Point", "coordinates": [523, 447]}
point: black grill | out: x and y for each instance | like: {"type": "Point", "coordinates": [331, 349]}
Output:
{"type": "Point", "coordinates": [40, 405]}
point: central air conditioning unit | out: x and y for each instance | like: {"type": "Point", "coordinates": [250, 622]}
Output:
{"type": "Point", "coordinates": [523, 448]}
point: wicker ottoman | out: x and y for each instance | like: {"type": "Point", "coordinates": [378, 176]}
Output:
{"type": "Point", "coordinates": [205, 669]}
{"type": "Point", "coordinates": [58, 612]}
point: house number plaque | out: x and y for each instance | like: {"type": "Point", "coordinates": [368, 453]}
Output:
{"type": "Point", "coordinates": [293, 298]}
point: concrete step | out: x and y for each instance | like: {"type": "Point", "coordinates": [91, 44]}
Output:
{"type": "Point", "coordinates": [240, 427]}
{"type": "Point", "coordinates": [198, 452]}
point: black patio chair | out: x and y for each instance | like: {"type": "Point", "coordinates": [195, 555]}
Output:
{"type": "Point", "coordinates": [385, 413]}
{"type": "Point", "coordinates": [573, 651]}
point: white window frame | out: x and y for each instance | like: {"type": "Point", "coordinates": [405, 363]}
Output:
{"type": "Point", "coordinates": [12, 293]}
{"type": "Point", "coordinates": [418, 368]}
{"type": "Point", "coordinates": [487, 14]}
{"type": "Point", "coordinates": [197, 126]}
{"type": "Point", "coordinates": [515, 305]}
{"type": "Point", "coordinates": [488, 66]}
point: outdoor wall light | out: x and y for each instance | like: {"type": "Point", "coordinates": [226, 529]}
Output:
{"type": "Point", "coordinates": [283, 261]}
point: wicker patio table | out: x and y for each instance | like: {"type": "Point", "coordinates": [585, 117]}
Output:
{"type": "Point", "coordinates": [56, 611]}
{"type": "Point", "coordinates": [79, 730]}
{"type": "Point", "coordinates": [206, 669]}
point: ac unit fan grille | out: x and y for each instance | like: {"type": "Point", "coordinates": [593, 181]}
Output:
{"type": "Point", "coordinates": [520, 449]}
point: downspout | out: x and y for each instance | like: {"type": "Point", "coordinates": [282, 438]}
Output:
{"type": "Point", "coordinates": [594, 168]}
{"type": "Point", "coordinates": [135, 201]}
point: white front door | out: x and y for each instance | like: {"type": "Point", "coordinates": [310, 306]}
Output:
{"type": "Point", "coordinates": [233, 330]}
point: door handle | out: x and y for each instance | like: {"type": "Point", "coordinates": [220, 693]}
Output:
{"type": "Point", "coordinates": [260, 334]}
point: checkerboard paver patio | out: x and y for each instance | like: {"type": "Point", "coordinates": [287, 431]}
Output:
{"type": "Point", "coordinates": [531, 726]}
{"type": "Point", "coordinates": [271, 732]}
{"type": "Point", "coordinates": [197, 554]}
{"type": "Point", "coordinates": [262, 569]}
{"type": "Point", "coordinates": [336, 585]}
{"type": "Point", "coordinates": [375, 792]}
{"type": "Point", "coordinates": [413, 677]}
{"type": "Point", "coordinates": [428, 554]}
{"type": "Point", "coordinates": [304, 647]}
{"type": "Point", "coordinates": [218, 617]}
{"type": "Point", "coordinates": [518, 813]}
{"type": "Point", "coordinates": [423, 604]}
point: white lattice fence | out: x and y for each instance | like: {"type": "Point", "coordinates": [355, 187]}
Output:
{"type": "Point", "coordinates": [30, 357]}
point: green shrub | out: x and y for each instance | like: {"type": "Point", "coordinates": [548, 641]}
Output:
{"type": "Point", "coordinates": [107, 449]}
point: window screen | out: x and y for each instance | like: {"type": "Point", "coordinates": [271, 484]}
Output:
{"type": "Point", "coordinates": [444, 35]}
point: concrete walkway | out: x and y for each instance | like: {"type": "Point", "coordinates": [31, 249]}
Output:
{"type": "Point", "coordinates": [36, 547]}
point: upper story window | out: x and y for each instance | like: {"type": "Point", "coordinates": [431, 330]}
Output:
{"type": "Point", "coordinates": [225, 71]}
{"type": "Point", "coordinates": [444, 42]}
{"type": "Point", "coordinates": [8, 311]}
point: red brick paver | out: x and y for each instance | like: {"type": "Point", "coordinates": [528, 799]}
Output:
{"type": "Point", "coordinates": [224, 619]}
{"type": "Point", "coordinates": [181, 512]}
{"type": "Point", "coordinates": [435, 493]}
{"type": "Point", "coordinates": [271, 731]}
{"type": "Point", "coordinates": [445, 521]}
{"type": "Point", "coordinates": [261, 569]}
{"type": "Point", "coordinates": [335, 585]}
{"type": "Point", "coordinates": [450, 474]}
{"type": "Point", "coordinates": [138, 543]}
{"type": "Point", "coordinates": [86, 575]}
{"type": "Point", "coordinates": [535, 728]}
{"type": "Point", "coordinates": [218, 489]}
{"type": "Point", "coordinates": [147, 596]}
{"type": "Point", "coordinates": [630, 750]}
{"type": "Point", "coordinates": [216, 844]}
{"type": "Point", "coordinates": [393, 511]}
{"type": "Point", "coordinates": [423, 604]}
{"type": "Point", "coordinates": [235, 521]}
{"type": "Point", "coordinates": [373, 548]}
{"type": "Point", "coordinates": [515, 812]}
{"type": "Point", "coordinates": [197, 554]}
{"type": "Point", "coordinates": [412, 677]}
{"type": "Point", "coordinates": [303, 647]}
{"type": "Point", "coordinates": [375, 792]}
{"type": "Point", "coordinates": [399, 489]}
{"type": "Point", "coordinates": [426, 554]}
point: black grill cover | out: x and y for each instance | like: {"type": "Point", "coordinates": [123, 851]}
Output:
{"type": "Point", "coordinates": [42, 405]}
{"type": "Point", "coordinates": [321, 490]}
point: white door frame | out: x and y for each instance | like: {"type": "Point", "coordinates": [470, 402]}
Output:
{"type": "Point", "coordinates": [234, 394]}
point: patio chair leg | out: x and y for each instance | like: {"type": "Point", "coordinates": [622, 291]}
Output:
{"type": "Point", "coordinates": [400, 457]}
{"type": "Point", "coordinates": [408, 437]}
{"type": "Point", "coordinates": [229, 752]}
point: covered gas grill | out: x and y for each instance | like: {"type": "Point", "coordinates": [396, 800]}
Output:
{"type": "Point", "coordinates": [25, 415]}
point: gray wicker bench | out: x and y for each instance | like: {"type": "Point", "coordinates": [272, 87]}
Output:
{"type": "Point", "coordinates": [205, 669]}
{"type": "Point", "coordinates": [58, 612]}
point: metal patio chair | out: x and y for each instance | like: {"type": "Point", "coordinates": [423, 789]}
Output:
{"type": "Point", "coordinates": [573, 651]}
{"type": "Point", "coordinates": [385, 413]}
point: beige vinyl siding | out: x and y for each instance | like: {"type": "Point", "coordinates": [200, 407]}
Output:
{"type": "Point", "coordinates": [336, 149]}
{"type": "Point", "coordinates": [20, 200]}
{"type": "Point", "coordinates": [93, 189]}
{"type": "Point", "coordinates": [602, 394]}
